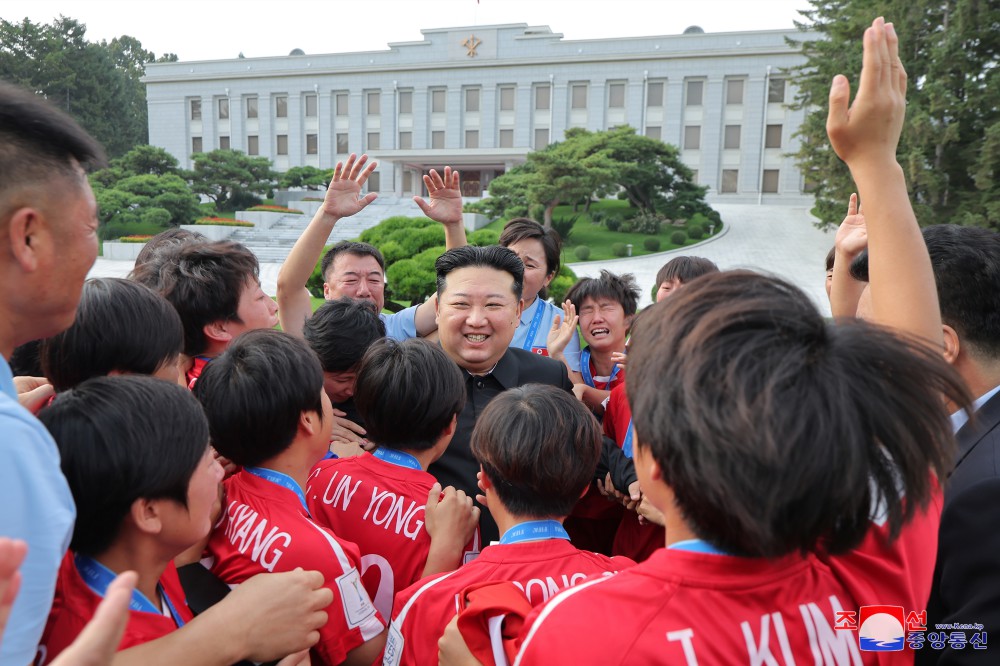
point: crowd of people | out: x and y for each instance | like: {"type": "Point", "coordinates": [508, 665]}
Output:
{"type": "Point", "coordinates": [487, 477]}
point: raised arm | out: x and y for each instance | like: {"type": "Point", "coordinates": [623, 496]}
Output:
{"type": "Point", "coordinates": [852, 239]}
{"type": "Point", "coordinates": [865, 135]}
{"type": "Point", "coordinates": [341, 200]}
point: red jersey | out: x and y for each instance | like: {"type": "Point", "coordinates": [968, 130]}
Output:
{"type": "Point", "coordinates": [633, 539]}
{"type": "Point", "coordinates": [539, 568]}
{"type": "Point", "coordinates": [266, 528]}
{"type": "Point", "coordinates": [194, 372]}
{"type": "Point", "coordinates": [75, 604]}
{"type": "Point", "coordinates": [687, 607]}
{"type": "Point", "coordinates": [380, 507]}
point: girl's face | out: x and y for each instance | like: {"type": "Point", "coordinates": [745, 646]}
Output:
{"type": "Point", "coordinates": [536, 270]}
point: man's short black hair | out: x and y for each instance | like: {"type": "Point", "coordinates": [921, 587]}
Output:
{"type": "Point", "coordinates": [168, 238]}
{"type": "Point", "coordinates": [492, 256]}
{"type": "Point", "coordinates": [341, 331]}
{"type": "Point", "coordinates": [122, 439]}
{"type": "Point", "coordinates": [120, 325]}
{"type": "Point", "coordinates": [204, 281]}
{"type": "Point", "coordinates": [539, 446]}
{"type": "Point", "coordinates": [356, 248]}
{"type": "Point", "coordinates": [684, 269]}
{"type": "Point", "coordinates": [255, 392]}
{"type": "Point", "coordinates": [778, 431]}
{"type": "Point", "coordinates": [619, 288]}
{"type": "Point", "coordinates": [407, 393]}
{"type": "Point", "coordinates": [523, 228]}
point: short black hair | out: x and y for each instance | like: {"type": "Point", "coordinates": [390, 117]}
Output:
{"type": "Point", "coordinates": [340, 331]}
{"type": "Point", "coordinates": [356, 248]}
{"type": "Point", "coordinates": [747, 399]}
{"type": "Point", "coordinates": [204, 281]}
{"type": "Point", "coordinates": [255, 392]}
{"type": "Point", "coordinates": [407, 393]}
{"type": "Point", "coordinates": [491, 256]}
{"type": "Point", "coordinates": [120, 325]}
{"type": "Point", "coordinates": [830, 256]}
{"type": "Point", "coordinates": [684, 269]}
{"type": "Point", "coordinates": [168, 238]}
{"type": "Point", "coordinates": [121, 439]}
{"type": "Point", "coordinates": [620, 288]}
{"type": "Point", "coordinates": [539, 446]}
{"type": "Point", "coordinates": [859, 266]}
{"type": "Point", "coordinates": [26, 360]}
{"type": "Point", "coordinates": [524, 228]}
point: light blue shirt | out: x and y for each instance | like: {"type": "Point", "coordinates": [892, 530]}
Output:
{"type": "Point", "coordinates": [401, 325]}
{"type": "Point", "coordinates": [37, 507]}
{"type": "Point", "coordinates": [540, 341]}
{"type": "Point", "coordinates": [960, 418]}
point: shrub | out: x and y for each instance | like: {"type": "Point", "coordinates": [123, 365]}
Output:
{"type": "Point", "coordinates": [275, 209]}
{"type": "Point", "coordinates": [156, 216]}
{"type": "Point", "coordinates": [598, 216]}
{"type": "Point", "coordinates": [582, 253]}
{"type": "Point", "coordinates": [644, 222]}
{"type": "Point", "coordinates": [613, 223]}
{"type": "Point", "coordinates": [695, 232]}
{"type": "Point", "coordinates": [134, 239]}
{"type": "Point", "coordinates": [652, 244]}
{"type": "Point", "coordinates": [619, 249]}
{"type": "Point", "coordinates": [223, 222]}
{"type": "Point", "coordinates": [483, 237]}
{"type": "Point", "coordinates": [564, 226]}
{"type": "Point", "coordinates": [561, 284]}
{"type": "Point", "coordinates": [699, 219]}
{"type": "Point", "coordinates": [678, 237]}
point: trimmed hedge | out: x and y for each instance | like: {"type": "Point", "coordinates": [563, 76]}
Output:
{"type": "Point", "coordinates": [678, 237]}
{"type": "Point", "coordinates": [652, 244]}
{"type": "Point", "coordinates": [582, 253]}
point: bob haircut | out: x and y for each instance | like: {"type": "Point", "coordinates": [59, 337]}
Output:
{"type": "Point", "coordinates": [255, 392]}
{"type": "Point", "coordinates": [120, 326]}
{"type": "Point", "coordinates": [684, 269]}
{"type": "Point", "coordinates": [407, 393]}
{"type": "Point", "coordinates": [748, 399]}
{"type": "Point", "coordinates": [523, 228]}
{"type": "Point", "coordinates": [539, 446]}
{"type": "Point", "coordinates": [122, 439]}
{"type": "Point", "coordinates": [619, 288]}
{"type": "Point", "coordinates": [340, 331]}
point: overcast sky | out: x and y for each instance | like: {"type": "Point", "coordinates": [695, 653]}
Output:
{"type": "Point", "coordinates": [212, 29]}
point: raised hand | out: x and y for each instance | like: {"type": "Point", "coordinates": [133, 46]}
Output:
{"type": "Point", "coordinates": [852, 236]}
{"type": "Point", "coordinates": [562, 331]}
{"type": "Point", "coordinates": [445, 196]}
{"type": "Point", "coordinates": [342, 198]}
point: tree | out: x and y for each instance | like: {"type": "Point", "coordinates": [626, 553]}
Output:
{"type": "Point", "coordinates": [147, 159]}
{"type": "Point", "coordinates": [950, 146]}
{"type": "Point", "coordinates": [231, 178]}
{"type": "Point", "coordinates": [305, 177]}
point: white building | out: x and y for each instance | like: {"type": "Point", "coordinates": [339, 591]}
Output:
{"type": "Point", "coordinates": [481, 98]}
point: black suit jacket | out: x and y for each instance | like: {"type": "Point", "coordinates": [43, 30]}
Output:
{"type": "Point", "coordinates": [457, 467]}
{"type": "Point", "coordinates": [966, 585]}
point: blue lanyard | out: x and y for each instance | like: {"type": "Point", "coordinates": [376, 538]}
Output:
{"type": "Point", "coordinates": [588, 378]}
{"type": "Point", "coordinates": [696, 546]}
{"type": "Point", "coordinates": [280, 479]}
{"type": "Point", "coordinates": [627, 444]}
{"type": "Point", "coordinates": [534, 530]}
{"type": "Point", "coordinates": [536, 321]}
{"type": "Point", "coordinates": [398, 458]}
{"type": "Point", "coordinates": [98, 577]}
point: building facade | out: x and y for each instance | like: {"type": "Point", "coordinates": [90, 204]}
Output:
{"type": "Point", "coordinates": [481, 98]}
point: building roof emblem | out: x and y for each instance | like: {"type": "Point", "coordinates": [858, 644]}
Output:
{"type": "Point", "coordinates": [472, 43]}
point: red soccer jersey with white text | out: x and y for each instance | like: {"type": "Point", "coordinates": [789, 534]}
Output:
{"type": "Point", "coordinates": [75, 605]}
{"type": "Point", "coordinates": [540, 568]}
{"type": "Point", "coordinates": [265, 528]}
{"type": "Point", "coordinates": [379, 507]}
{"type": "Point", "coordinates": [682, 607]}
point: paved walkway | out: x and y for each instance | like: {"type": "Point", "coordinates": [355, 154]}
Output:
{"type": "Point", "coordinates": [772, 239]}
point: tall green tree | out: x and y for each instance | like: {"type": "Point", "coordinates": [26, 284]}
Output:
{"type": "Point", "coordinates": [231, 178]}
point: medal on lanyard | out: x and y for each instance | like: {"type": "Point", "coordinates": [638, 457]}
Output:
{"type": "Point", "coordinates": [536, 321]}
{"type": "Point", "coordinates": [588, 378]}
{"type": "Point", "coordinates": [280, 479]}
{"type": "Point", "coordinates": [98, 577]}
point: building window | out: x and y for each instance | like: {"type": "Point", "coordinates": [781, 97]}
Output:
{"type": "Point", "coordinates": [341, 104]}
{"type": "Point", "coordinates": [471, 138]}
{"type": "Point", "coordinates": [731, 141]}
{"type": "Point", "coordinates": [405, 140]}
{"type": "Point", "coordinates": [578, 96]}
{"type": "Point", "coordinates": [224, 109]}
{"type": "Point", "coordinates": [437, 101]}
{"type": "Point", "coordinates": [374, 140]}
{"type": "Point", "coordinates": [730, 179]}
{"type": "Point", "coordinates": [282, 144]}
{"type": "Point", "coordinates": [541, 138]}
{"type": "Point", "coordinates": [770, 184]}
{"type": "Point", "coordinates": [196, 144]}
{"type": "Point", "coordinates": [695, 90]}
{"type": "Point", "coordinates": [772, 136]}
{"type": "Point", "coordinates": [281, 106]}
{"type": "Point", "coordinates": [405, 102]}
{"type": "Point", "coordinates": [692, 137]}
{"type": "Point", "coordinates": [311, 106]}
{"type": "Point", "coordinates": [374, 181]}
{"type": "Point", "coordinates": [374, 102]}
{"type": "Point", "coordinates": [507, 99]}
{"type": "Point", "coordinates": [223, 143]}
{"type": "Point", "coordinates": [196, 109]}
{"type": "Point", "coordinates": [253, 145]}
{"type": "Point", "coordinates": [653, 132]}
{"type": "Point", "coordinates": [654, 94]}
{"type": "Point", "coordinates": [734, 91]}
{"type": "Point", "coordinates": [251, 107]}
{"type": "Point", "coordinates": [342, 145]}
{"type": "Point", "coordinates": [543, 98]}
{"type": "Point", "coordinates": [312, 144]}
{"type": "Point", "coordinates": [472, 100]}
{"type": "Point", "coordinates": [616, 96]}
{"type": "Point", "coordinates": [437, 139]}
{"type": "Point", "coordinates": [506, 138]}
{"type": "Point", "coordinates": [776, 91]}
